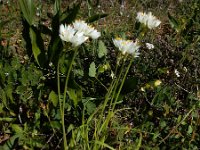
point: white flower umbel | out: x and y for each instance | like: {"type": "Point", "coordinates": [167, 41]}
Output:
{"type": "Point", "coordinates": [78, 39]}
{"type": "Point", "coordinates": [66, 32]}
{"type": "Point", "coordinates": [148, 19]}
{"type": "Point", "coordinates": [69, 34]}
{"type": "Point", "coordinates": [82, 26]}
{"type": "Point", "coordinates": [149, 45]}
{"type": "Point", "coordinates": [127, 46]}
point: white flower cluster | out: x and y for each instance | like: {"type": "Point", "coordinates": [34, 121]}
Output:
{"type": "Point", "coordinates": [148, 19]}
{"type": "Point", "coordinates": [78, 32]}
{"type": "Point", "coordinates": [127, 46]}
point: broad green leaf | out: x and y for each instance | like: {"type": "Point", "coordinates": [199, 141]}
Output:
{"type": "Point", "coordinates": [90, 107]}
{"type": "Point", "coordinates": [57, 5]}
{"type": "Point", "coordinates": [190, 129]}
{"type": "Point", "coordinates": [102, 50]}
{"type": "Point", "coordinates": [74, 92]}
{"type": "Point", "coordinates": [173, 22]}
{"type": "Point", "coordinates": [53, 97]}
{"type": "Point", "coordinates": [37, 52]}
{"type": "Point", "coordinates": [55, 48]}
{"type": "Point", "coordinates": [96, 17]}
{"type": "Point", "coordinates": [28, 10]}
{"type": "Point", "coordinates": [16, 128]}
{"type": "Point", "coordinates": [92, 70]}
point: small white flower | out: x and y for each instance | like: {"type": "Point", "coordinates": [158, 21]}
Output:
{"type": "Point", "coordinates": [149, 46]}
{"type": "Point", "coordinates": [112, 74]}
{"type": "Point", "coordinates": [7, 74]}
{"type": "Point", "coordinates": [177, 73]}
{"type": "Point", "coordinates": [82, 26]}
{"type": "Point", "coordinates": [127, 46]}
{"type": "Point", "coordinates": [148, 19]}
{"type": "Point", "coordinates": [185, 69]}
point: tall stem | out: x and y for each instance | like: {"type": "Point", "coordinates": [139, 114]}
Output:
{"type": "Point", "coordinates": [123, 80]}
{"type": "Point", "coordinates": [62, 104]}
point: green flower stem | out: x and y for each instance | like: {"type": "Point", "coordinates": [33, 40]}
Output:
{"type": "Point", "coordinates": [101, 83]}
{"type": "Point", "coordinates": [120, 88]}
{"type": "Point", "coordinates": [110, 89]}
{"type": "Point", "coordinates": [62, 105]}
{"type": "Point", "coordinates": [102, 108]}
{"type": "Point", "coordinates": [117, 81]}
{"type": "Point", "coordinates": [114, 89]}
{"type": "Point", "coordinates": [112, 85]}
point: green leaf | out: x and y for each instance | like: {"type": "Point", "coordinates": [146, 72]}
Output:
{"type": "Point", "coordinates": [190, 129]}
{"type": "Point", "coordinates": [55, 48]}
{"type": "Point", "coordinates": [3, 98]}
{"type": "Point", "coordinates": [96, 17]}
{"type": "Point", "coordinates": [90, 107]}
{"type": "Point", "coordinates": [36, 42]}
{"type": "Point", "coordinates": [102, 50]}
{"type": "Point", "coordinates": [16, 128]}
{"type": "Point", "coordinates": [9, 92]}
{"type": "Point", "coordinates": [28, 10]}
{"type": "Point", "coordinates": [57, 5]}
{"type": "Point", "coordinates": [173, 22]}
{"type": "Point", "coordinates": [56, 125]}
{"type": "Point", "coordinates": [92, 70]}
{"type": "Point", "coordinates": [10, 143]}
{"type": "Point", "coordinates": [139, 142]}
{"type": "Point", "coordinates": [53, 97]}
{"type": "Point", "coordinates": [7, 119]}
{"type": "Point", "coordinates": [74, 92]}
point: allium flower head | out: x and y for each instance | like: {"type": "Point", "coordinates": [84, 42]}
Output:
{"type": "Point", "coordinates": [127, 46]}
{"type": "Point", "coordinates": [69, 34]}
{"type": "Point", "coordinates": [82, 26]}
{"type": "Point", "coordinates": [66, 32]}
{"type": "Point", "coordinates": [148, 19]}
{"type": "Point", "coordinates": [78, 39]}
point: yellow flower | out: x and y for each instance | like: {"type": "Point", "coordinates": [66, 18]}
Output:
{"type": "Point", "coordinates": [157, 83]}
